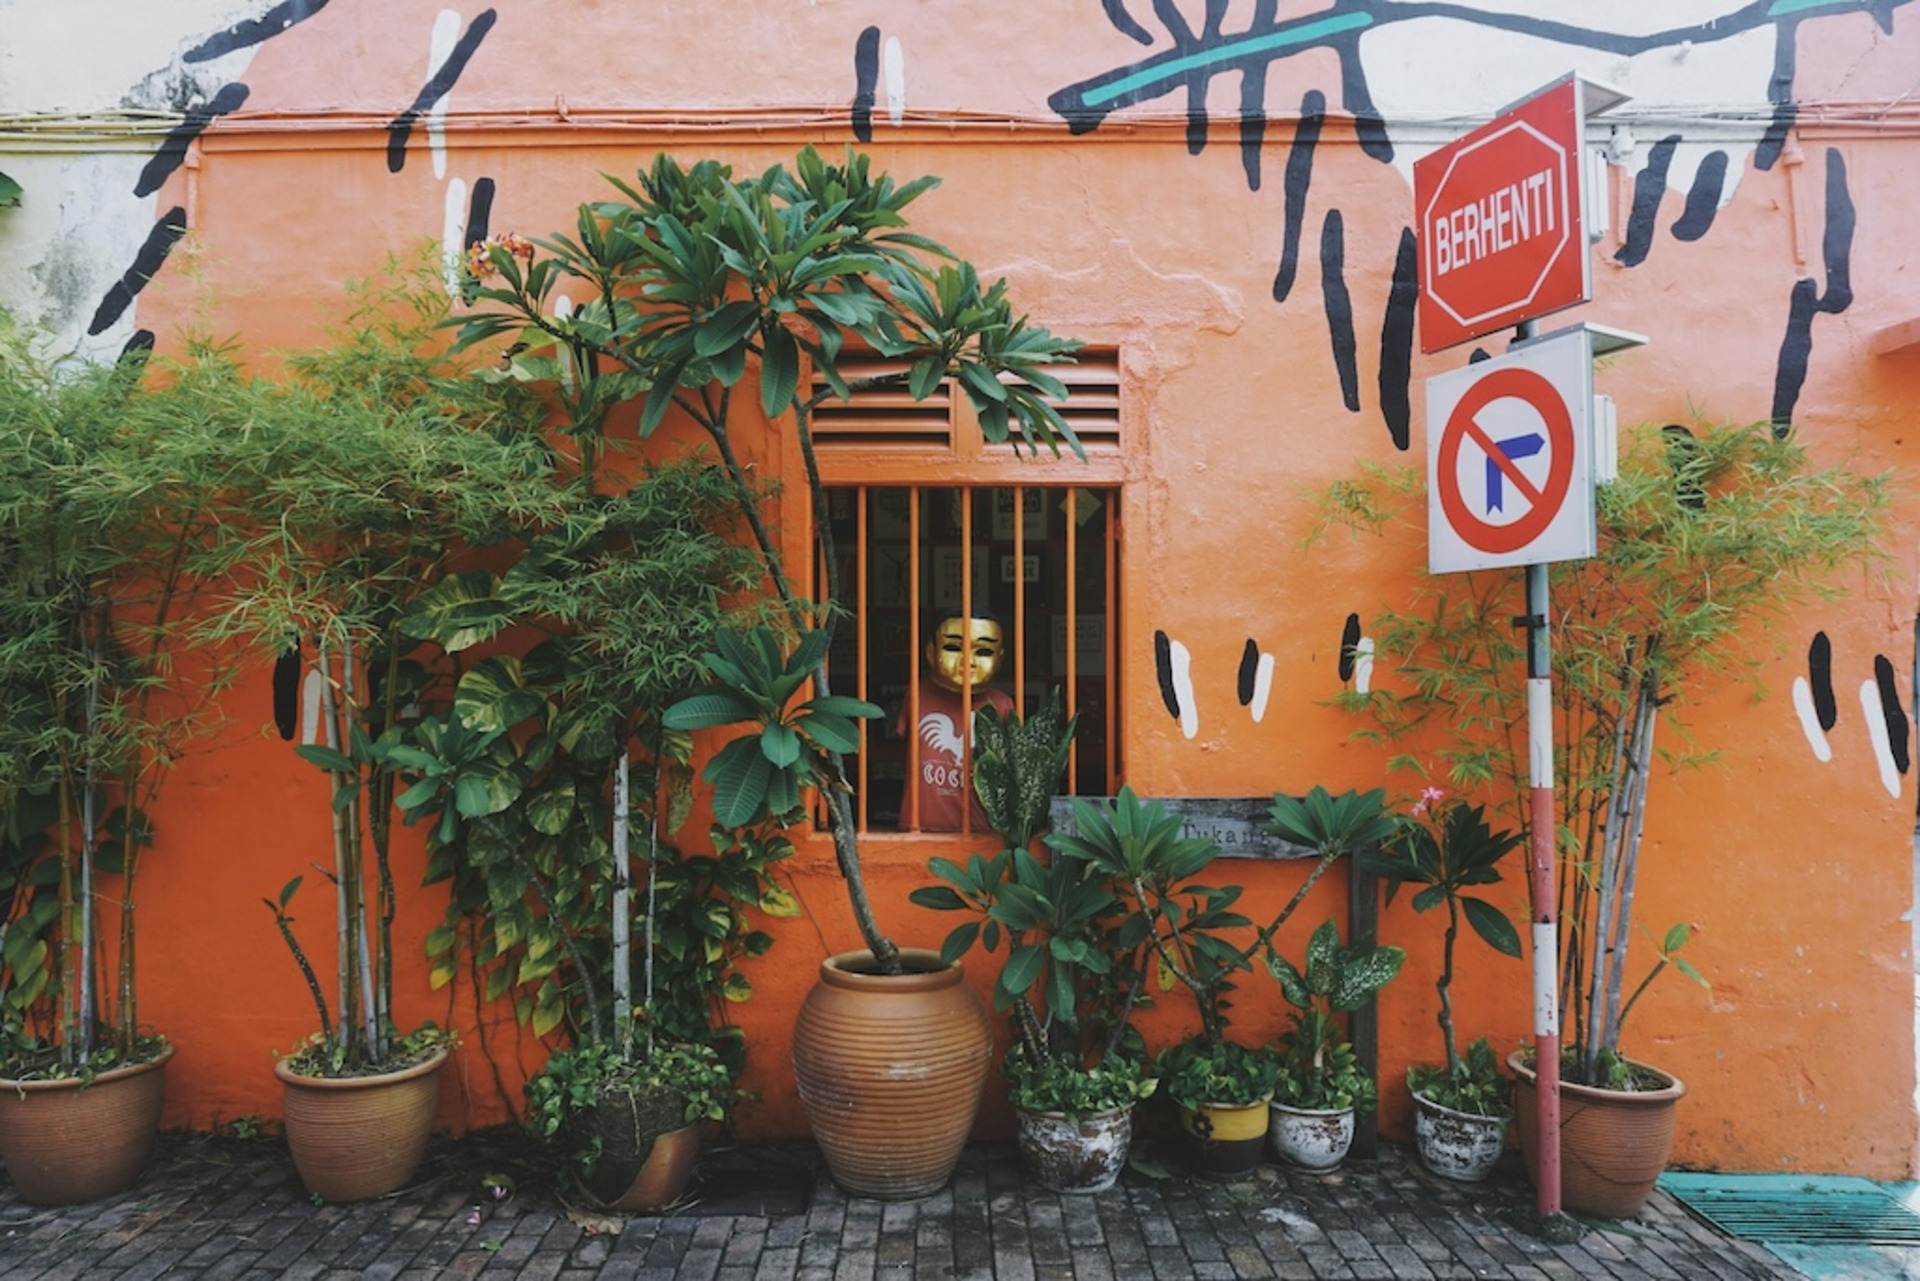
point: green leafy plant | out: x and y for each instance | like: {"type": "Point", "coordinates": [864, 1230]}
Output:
{"type": "Point", "coordinates": [788, 751]}
{"type": "Point", "coordinates": [109, 489]}
{"type": "Point", "coordinates": [1709, 534]}
{"type": "Point", "coordinates": [1199, 1071]}
{"type": "Point", "coordinates": [1472, 1083]}
{"type": "Point", "coordinates": [372, 469]}
{"type": "Point", "coordinates": [1445, 848]}
{"type": "Point", "coordinates": [700, 285]}
{"type": "Point", "coordinates": [603, 1106]}
{"type": "Point", "coordinates": [1071, 980]}
{"type": "Point", "coordinates": [1058, 1083]}
{"type": "Point", "coordinates": [1318, 1069]}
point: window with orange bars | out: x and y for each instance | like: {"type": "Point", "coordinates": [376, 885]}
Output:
{"type": "Point", "coordinates": [929, 521]}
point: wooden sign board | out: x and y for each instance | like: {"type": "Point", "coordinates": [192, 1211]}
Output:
{"type": "Point", "coordinates": [1236, 824]}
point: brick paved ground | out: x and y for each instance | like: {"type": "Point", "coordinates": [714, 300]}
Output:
{"type": "Point", "coordinates": [222, 1208]}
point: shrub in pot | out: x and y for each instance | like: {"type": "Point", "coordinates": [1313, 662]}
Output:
{"type": "Point", "coordinates": [1320, 1084]}
{"type": "Point", "coordinates": [1708, 532]}
{"type": "Point", "coordinates": [1462, 1104]}
{"type": "Point", "coordinates": [371, 469]}
{"type": "Point", "coordinates": [1069, 984]}
{"type": "Point", "coordinates": [109, 484]}
{"type": "Point", "coordinates": [1185, 925]}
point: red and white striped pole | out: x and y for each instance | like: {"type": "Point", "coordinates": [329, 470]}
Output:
{"type": "Point", "coordinates": [1541, 884]}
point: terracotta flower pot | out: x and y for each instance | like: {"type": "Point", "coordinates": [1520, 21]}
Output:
{"type": "Point", "coordinates": [890, 1069]}
{"type": "Point", "coordinates": [66, 1143]}
{"type": "Point", "coordinates": [1457, 1145]}
{"type": "Point", "coordinates": [362, 1136]}
{"type": "Point", "coordinates": [1314, 1139]}
{"type": "Point", "coordinates": [1613, 1143]}
{"type": "Point", "coordinates": [1075, 1156]}
{"type": "Point", "coordinates": [1224, 1140]}
{"type": "Point", "coordinates": [664, 1176]}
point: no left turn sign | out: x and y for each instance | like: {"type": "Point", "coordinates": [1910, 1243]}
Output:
{"type": "Point", "coordinates": [1509, 474]}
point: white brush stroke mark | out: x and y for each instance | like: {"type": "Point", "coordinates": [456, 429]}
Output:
{"type": "Point", "coordinates": [1181, 664]}
{"type": "Point", "coordinates": [1262, 686]}
{"type": "Point", "coordinates": [446, 32]}
{"type": "Point", "coordinates": [453, 234]}
{"type": "Point", "coordinates": [1810, 720]}
{"type": "Point", "coordinates": [310, 707]}
{"type": "Point", "coordinates": [1877, 731]}
{"type": "Point", "coordinates": [1363, 665]}
{"type": "Point", "coordinates": [896, 74]}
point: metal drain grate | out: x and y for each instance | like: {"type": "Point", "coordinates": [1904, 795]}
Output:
{"type": "Point", "coordinates": [1792, 1210]}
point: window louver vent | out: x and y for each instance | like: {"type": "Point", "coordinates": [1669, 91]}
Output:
{"type": "Point", "coordinates": [889, 417]}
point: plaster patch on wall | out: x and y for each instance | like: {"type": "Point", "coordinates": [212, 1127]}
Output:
{"type": "Point", "coordinates": [1166, 310]}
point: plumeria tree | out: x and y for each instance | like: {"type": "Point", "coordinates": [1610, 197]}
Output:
{"type": "Point", "coordinates": [699, 289]}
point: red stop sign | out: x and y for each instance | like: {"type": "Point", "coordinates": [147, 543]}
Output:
{"type": "Point", "coordinates": [1501, 234]}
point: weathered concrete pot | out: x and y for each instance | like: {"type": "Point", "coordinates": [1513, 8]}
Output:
{"type": "Point", "coordinates": [1457, 1145]}
{"type": "Point", "coordinates": [1311, 1138]}
{"type": "Point", "coordinates": [1075, 1156]}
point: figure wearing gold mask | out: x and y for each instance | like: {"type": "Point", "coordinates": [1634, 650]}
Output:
{"type": "Point", "coordinates": [959, 652]}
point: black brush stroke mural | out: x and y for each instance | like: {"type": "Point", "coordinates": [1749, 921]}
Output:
{"type": "Point", "coordinates": [438, 86]}
{"type": "Point", "coordinates": [1649, 185]}
{"type": "Point", "coordinates": [160, 241]}
{"type": "Point", "coordinates": [1299, 175]}
{"type": "Point", "coordinates": [1780, 93]}
{"type": "Point", "coordinates": [244, 35]}
{"type": "Point", "coordinates": [1349, 647]}
{"type": "Point", "coordinates": [479, 212]}
{"type": "Point", "coordinates": [1249, 670]}
{"type": "Point", "coordinates": [866, 74]}
{"type": "Point", "coordinates": [135, 351]}
{"type": "Point", "coordinates": [1396, 342]}
{"type": "Point", "coordinates": [1820, 681]}
{"type": "Point", "coordinates": [1163, 672]}
{"type": "Point", "coordinates": [1339, 305]}
{"type": "Point", "coordinates": [1897, 726]}
{"type": "Point", "coordinates": [1123, 22]}
{"type": "Point", "coordinates": [1703, 198]}
{"type": "Point", "coordinates": [286, 692]}
{"type": "Point", "coordinates": [1808, 301]}
{"type": "Point", "coordinates": [1357, 97]}
{"type": "Point", "coordinates": [174, 149]}
{"type": "Point", "coordinates": [1253, 103]}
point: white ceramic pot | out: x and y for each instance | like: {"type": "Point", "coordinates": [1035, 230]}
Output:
{"type": "Point", "coordinates": [1310, 1138]}
{"type": "Point", "coordinates": [1457, 1145]}
{"type": "Point", "coordinates": [1066, 1155]}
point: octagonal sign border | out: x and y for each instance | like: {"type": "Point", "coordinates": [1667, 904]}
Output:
{"type": "Point", "coordinates": [1554, 119]}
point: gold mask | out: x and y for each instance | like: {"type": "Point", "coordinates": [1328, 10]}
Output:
{"type": "Point", "coordinates": [959, 644]}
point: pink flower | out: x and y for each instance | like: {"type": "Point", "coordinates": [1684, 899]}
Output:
{"type": "Point", "coordinates": [1428, 797]}
{"type": "Point", "coordinates": [473, 1220]}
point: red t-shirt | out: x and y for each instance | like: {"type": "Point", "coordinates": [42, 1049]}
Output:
{"type": "Point", "coordinates": [943, 779]}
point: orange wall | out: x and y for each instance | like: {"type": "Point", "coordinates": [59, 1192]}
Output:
{"type": "Point", "coordinates": [1797, 874]}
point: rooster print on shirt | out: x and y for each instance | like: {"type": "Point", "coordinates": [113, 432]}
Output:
{"type": "Point", "coordinates": [942, 768]}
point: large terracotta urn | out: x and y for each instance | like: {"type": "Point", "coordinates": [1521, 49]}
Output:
{"type": "Point", "coordinates": [1613, 1143]}
{"type": "Point", "coordinates": [890, 1070]}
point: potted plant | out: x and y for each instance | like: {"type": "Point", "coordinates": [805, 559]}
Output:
{"type": "Point", "coordinates": [108, 492]}
{"type": "Point", "coordinates": [1461, 1105]}
{"type": "Point", "coordinates": [1069, 985]}
{"type": "Point", "coordinates": [701, 286]}
{"type": "Point", "coordinates": [1185, 925]}
{"type": "Point", "coordinates": [1320, 1083]}
{"type": "Point", "coordinates": [1706, 533]}
{"type": "Point", "coordinates": [372, 468]}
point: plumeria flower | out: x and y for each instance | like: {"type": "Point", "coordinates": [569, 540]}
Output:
{"type": "Point", "coordinates": [1429, 796]}
{"type": "Point", "coordinates": [473, 1219]}
{"type": "Point", "coordinates": [480, 254]}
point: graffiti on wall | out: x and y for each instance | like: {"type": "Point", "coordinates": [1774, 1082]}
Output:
{"type": "Point", "coordinates": [1185, 60]}
{"type": "Point", "coordinates": [1888, 729]}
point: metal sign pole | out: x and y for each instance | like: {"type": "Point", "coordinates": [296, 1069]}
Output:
{"type": "Point", "coordinates": [1540, 881]}
{"type": "Point", "coordinates": [1541, 886]}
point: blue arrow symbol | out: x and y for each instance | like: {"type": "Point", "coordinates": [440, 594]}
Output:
{"type": "Point", "coordinates": [1515, 449]}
